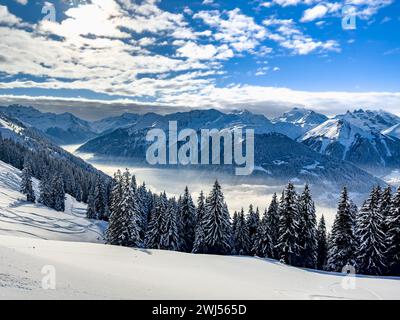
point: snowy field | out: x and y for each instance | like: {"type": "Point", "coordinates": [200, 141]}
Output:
{"type": "Point", "coordinates": [21, 218]}
{"type": "Point", "coordinates": [85, 270]}
{"type": "Point", "coordinates": [96, 271]}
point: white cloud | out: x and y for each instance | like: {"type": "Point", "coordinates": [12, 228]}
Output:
{"type": "Point", "coordinates": [194, 51]}
{"type": "Point", "coordinates": [23, 2]}
{"type": "Point", "coordinates": [233, 28]}
{"type": "Point", "coordinates": [7, 18]}
{"type": "Point", "coordinates": [319, 11]}
{"type": "Point", "coordinates": [290, 37]}
{"type": "Point", "coordinates": [316, 12]}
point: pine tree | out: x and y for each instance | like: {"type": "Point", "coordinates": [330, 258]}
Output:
{"type": "Point", "coordinates": [58, 193]}
{"type": "Point", "coordinates": [272, 223]}
{"type": "Point", "coordinates": [26, 183]}
{"type": "Point", "coordinates": [253, 222]}
{"type": "Point", "coordinates": [385, 208]}
{"type": "Point", "coordinates": [187, 212]}
{"type": "Point", "coordinates": [169, 238]}
{"type": "Point", "coordinates": [308, 230]}
{"type": "Point", "coordinates": [393, 236]}
{"type": "Point", "coordinates": [78, 192]}
{"type": "Point", "coordinates": [342, 247]}
{"type": "Point", "coordinates": [235, 221]}
{"type": "Point", "coordinates": [91, 206]}
{"type": "Point", "coordinates": [263, 245]}
{"type": "Point", "coordinates": [241, 236]}
{"type": "Point", "coordinates": [157, 215]}
{"type": "Point", "coordinates": [124, 229]}
{"type": "Point", "coordinates": [100, 200]}
{"type": "Point", "coordinates": [371, 250]}
{"type": "Point", "coordinates": [142, 197]}
{"type": "Point", "coordinates": [288, 244]}
{"type": "Point", "coordinates": [46, 194]}
{"type": "Point", "coordinates": [322, 244]}
{"type": "Point", "coordinates": [217, 225]}
{"type": "Point", "coordinates": [116, 191]}
{"type": "Point", "coordinates": [199, 230]}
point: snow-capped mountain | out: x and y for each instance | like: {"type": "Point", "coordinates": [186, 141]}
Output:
{"type": "Point", "coordinates": [298, 121]}
{"type": "Point", "coordinates": [356, 137]}
{"type": "Point", "coordinates": [63, 128]}
{"type": "Point", "coordinates": [195, 119]}
{"type": "Point", "coordinates": [112, 123]}
{"type": "Point", "coordinates": [37, 142]}
{"type": "Point", "coordinates": [370, 120]}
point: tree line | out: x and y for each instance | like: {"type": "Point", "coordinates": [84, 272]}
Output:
{"type": "Point", "coordinates": [59, 172]}
{"type": "Point", "coordinates": [367, 239]}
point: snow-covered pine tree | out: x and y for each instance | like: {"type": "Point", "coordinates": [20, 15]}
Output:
{"type": "Point", "coordinates": [393, 236]}
{"type": "Point", "coordinates": [100, 200]}
{"type": "Point", "coordinates": [46, 194]}
{"type": "Point", "coordinates": [130, 213]}
{"type": "Point", "coordinates": [187, 217]}
{"type": "Point", "coordinates": [26, 182]}
{"type": "Point", "coordinates": [134, 184]}
{"type": "Point", "coordinates": [385, 208]}
{"type": "Point", "coordinates": [124, 228]}
{"type": "Point", "coordinates": [116, 192]}
{"type": "Point", "coordinates": [91, 205]}
{"type": "Point", "coordinates": [241, 235]}
{"type": "Point", "coordinates": [115, 221]}
{"type": "Point", "coordinates": [169, 239]}
{"type": "Point", "coordinates": [342, 244]}
{"type": "Point", "coordinates": [78, 192]}
{"type": "Point", "coordinates": [289, 223]}
{"type": "Point", "coordinates": [371, 243]}
{"type": "Point", "coordinates": [263, 245]}
{"type": "Point", "coordinates": [253, 222]}
{"type": "Point", "coordinates": [308, 230]}
{"type": "Point", "coordinates": [217, 225]}
{"type": "Point", "coordinates": [322, 244]}
{"type": "Point", "coordinates": [272, 222]}
{"type": "Point", "coordinates": [143, 198]}
{"type": "Point", "coordinates": [58, 193]}
{"type": "Point", "coordinates": [154, 229]}
{"type": "Point", "coordinates": [235, 218]}
{"type": "Point", "coordinates": [198, 246]}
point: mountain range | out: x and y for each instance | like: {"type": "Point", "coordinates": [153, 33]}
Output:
{"type": "Point", "coordinates": [300, 144]}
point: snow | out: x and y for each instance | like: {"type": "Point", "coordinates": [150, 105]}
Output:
{"type": "Point", "coordinates": [393, 178]}
{"type": "Point", "coordinates": [21, 218]}
{"type": "Point", "coordinates": [10, 126]}
{"type": "Point", "coordinates": [95, 271]}
{"type": "Point", "coordinates": [393, 131]}
{"type": "Point", "coordinates": [32, 240]}
{"type": "Point", "coordinates": [260, 168]}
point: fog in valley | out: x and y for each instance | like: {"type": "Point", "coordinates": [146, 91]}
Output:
{"type": "Point", "coordinates": [237, 194]}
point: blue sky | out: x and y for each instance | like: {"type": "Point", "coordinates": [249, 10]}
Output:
{"type": "Point", "coordinates": [261, 55]}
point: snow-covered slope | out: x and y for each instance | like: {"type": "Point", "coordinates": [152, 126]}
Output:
{"type": "Point", "coordinates": [370, 120]}
{"type": "Point", "coordinates": [393, 131]}
{"type": "Point", "coordinates": [8, 129]}
{"type": "Point", "coordinates": [21, 218]}
{"type": "Point", "coordinates": [95, 271]}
